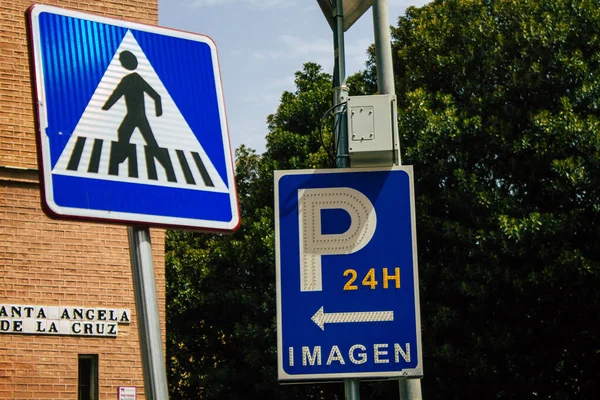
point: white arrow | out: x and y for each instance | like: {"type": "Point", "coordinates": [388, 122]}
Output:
{"type": "Point", "coordinates": [321, 318]}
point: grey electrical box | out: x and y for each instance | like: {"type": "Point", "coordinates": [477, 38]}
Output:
{"type": "Point", "coordinates": [372, 131]}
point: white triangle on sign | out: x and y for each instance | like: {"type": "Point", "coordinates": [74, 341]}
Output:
{"type": "Point", "coordinates": [87, 153]}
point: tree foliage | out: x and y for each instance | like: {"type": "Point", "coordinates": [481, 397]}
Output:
{"type": "Point", "coordinates": [498, 112]}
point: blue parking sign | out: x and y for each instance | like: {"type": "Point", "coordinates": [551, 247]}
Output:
{"type": "Point", "coordinates": [131, 122]}
{"type": "Point", "coordinates": [347, 283]}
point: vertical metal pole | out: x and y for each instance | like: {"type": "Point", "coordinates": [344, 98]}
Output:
{"type": "Point", "coordinates": [340, 95]}
{"type": "Point", "coordinates": [351, 389]}
{"type": "Point", "coordinates": [340, 91]}
{"type": "Point", "coordinates": [383, 48]}
{"type": "Point", "coordinates": [146, 304]}
{"type": "Point", "coordinates": [410, 389]}
{"type": "Point", "coordinates": [385, 65]}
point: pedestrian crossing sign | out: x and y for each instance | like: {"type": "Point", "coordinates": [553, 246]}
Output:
{"type": "Point", "coordinates": [131, 122]}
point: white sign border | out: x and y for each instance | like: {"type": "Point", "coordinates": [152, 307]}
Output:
{"type": "Point", "coordinates": [44, 149]}
{"type": "Point", "coordinates": [283, 376]}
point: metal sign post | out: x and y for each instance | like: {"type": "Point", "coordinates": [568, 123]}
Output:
{"type": "Point", "coordinates": [410, 389]}
{"type": "Point", "coordinates": [340, 91]}
{"type": "Point", "coordinates": [351, 386]}
{"type": "Point", "coordinates": [144, 286]}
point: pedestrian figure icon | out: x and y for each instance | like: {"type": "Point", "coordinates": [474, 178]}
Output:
{"type": "Point", "coordinates": [134, 88]}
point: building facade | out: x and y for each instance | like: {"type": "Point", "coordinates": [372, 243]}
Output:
{"type": "Point", "coordinates": [67, 311]}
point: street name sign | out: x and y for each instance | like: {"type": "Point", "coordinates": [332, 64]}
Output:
{"type": "Point", "coordinates": [131, 122]}
{"type": "Point", "coordinates": [347, 283]}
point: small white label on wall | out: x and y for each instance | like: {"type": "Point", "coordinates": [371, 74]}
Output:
{"type": "Point", "coordinates": [127, 393]}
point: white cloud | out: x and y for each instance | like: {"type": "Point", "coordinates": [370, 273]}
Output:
{"type": "Point", "coordinates": [251, 133]}
{"type": "Point", "coordinates": [252, 3]}
{"type": "Point", "coordinates": [300, 47]}
{"type": "Point", "coordinates": [286, 81]}
{"type": "Point", "coordinates": [295, 48]}
{"type": "Point", "coordinates": [269, 91]}
{"type": "Point", "coordinates": [317, 50]}
{"type": "Point", "coordinates": [269, 55]}
{"type": "Point", "coordinates": [208, 3]}
{"type": "Point", "coordinates": [356, 55]}
{"type": "Point", "coordinates": [402, 4]}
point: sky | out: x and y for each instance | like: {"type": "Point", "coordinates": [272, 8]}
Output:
{"type": "Point", "coordinates": [261, 44]}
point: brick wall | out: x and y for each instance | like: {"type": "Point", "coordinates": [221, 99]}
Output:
{"type": "Point", "coordinates": [59, 263]}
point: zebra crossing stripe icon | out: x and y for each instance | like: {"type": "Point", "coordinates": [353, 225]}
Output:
{"type": "Point", "coordinates": [146, 140]}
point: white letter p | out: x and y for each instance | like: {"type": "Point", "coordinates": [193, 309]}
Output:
{"type": "Point", "coordinates": [314, 244]}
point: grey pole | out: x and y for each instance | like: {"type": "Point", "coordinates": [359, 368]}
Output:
{"type": "Point", "coordinates": [340, 95]}
{"type": "Point", "coordinates": [340, 91]}
{"type": "Point", "coordinates": [383, 48]}
{"type": "Point", "coordinates": [410, 389]}
{"type": "Point", "coordinates": [144, 287]}
{"type": "Point", "coordinates": [351, 389]}
{"type": "Point", "coordinates": [383, 60]}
